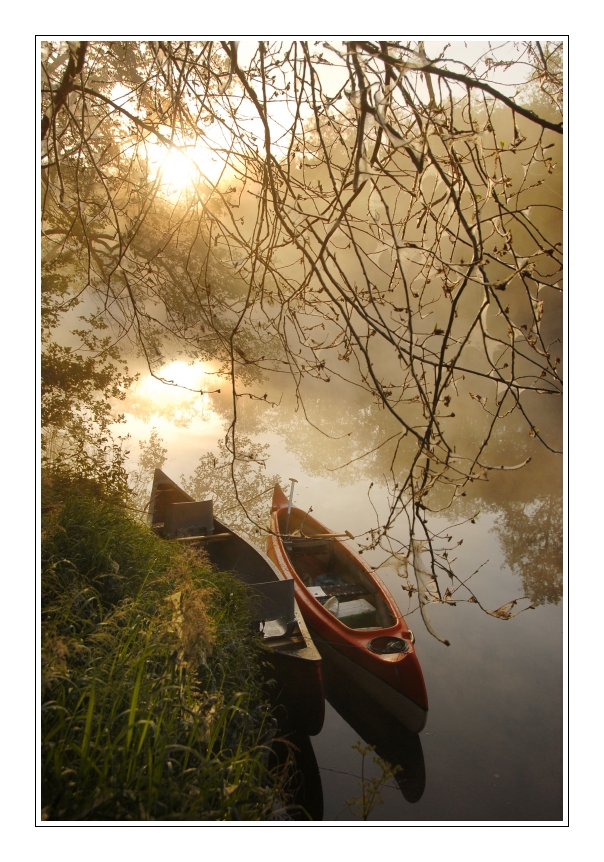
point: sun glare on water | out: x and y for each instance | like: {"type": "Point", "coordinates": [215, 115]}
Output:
{"type": "Point", "coordinates": [186, 421]}
{"type": "Point", "coordinates": [184, 383]}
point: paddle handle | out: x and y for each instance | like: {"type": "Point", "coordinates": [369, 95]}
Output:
{"type": "Point", "coordinates": [289, 505]}
{"type": "Point", "coordinates": [345, 535]}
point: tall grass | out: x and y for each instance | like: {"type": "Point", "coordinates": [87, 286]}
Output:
{"type": "Point", "coordinates": [151, 701]}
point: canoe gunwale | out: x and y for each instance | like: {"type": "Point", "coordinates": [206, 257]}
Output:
{"type": "Point", "coordinates": [293, 660]}
{"type": "Point", "coordinates": [399, 671]}
{"type": "Point", "coordinates": [366, 573]}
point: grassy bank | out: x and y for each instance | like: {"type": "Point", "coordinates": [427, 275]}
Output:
{"type": "Point", "coordinates": [151, 705]}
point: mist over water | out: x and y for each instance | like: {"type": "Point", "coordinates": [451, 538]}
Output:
{"type": "Point", "coordinates": [492, 747]}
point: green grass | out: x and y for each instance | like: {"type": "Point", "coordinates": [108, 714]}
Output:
{"type": "Point", "coordinates": [152, 707]}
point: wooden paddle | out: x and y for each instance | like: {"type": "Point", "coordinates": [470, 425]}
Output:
{"type": "Point", "coordinates": [345, 535]}
{"type": "Point", "coordinates": [203, 538]}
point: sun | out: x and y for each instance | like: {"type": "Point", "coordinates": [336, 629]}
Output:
{"type": "Point", "coordinates": [177, 170]}
{"type": "Point", "coordinates": [183, 166]}
{"type": "Point", "coordinates": [177, 161]}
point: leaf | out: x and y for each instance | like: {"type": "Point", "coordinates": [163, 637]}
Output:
{"type": "Point", "coordinates": [538, 308]}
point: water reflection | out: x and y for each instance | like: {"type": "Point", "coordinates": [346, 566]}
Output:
{"type": "Point", "coordinates": [303, 790]}
{"type": "Point", "coordinates": [526, 503]}
{"type": "Point", "coordinates": [392, 741]}
{"type": "Point", "coordinates": [527, 506]}
{"type": "Point", "coordinates": [531, 539]}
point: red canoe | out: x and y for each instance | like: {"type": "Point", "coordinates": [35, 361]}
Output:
{"type": "Point", "coordinates": [351, 615]}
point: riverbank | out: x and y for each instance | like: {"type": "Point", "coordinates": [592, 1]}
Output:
{"type": "Point", "coordinates": [152, 705]}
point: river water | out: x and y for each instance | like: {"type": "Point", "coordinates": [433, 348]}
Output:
{"type": "Point", "coordinates": [492, 748]}
{"type": "Point", "coordinates": [492, 745]}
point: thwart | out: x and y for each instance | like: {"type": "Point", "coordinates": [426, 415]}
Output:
{"type": "Point", "coordinates": [350, 613]}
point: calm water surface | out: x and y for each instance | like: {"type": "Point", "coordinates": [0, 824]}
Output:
{"type": "Point", "coordinates": [492, 748]}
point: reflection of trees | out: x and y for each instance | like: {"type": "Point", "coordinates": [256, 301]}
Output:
{"type": "Point", "coordinates": [240, 489]}
{"type": "Point", "coordinates": [152, 455]}
{"type": "Point", "coordinates": [358, 440]}
{"type": "Point", "coordinates": [240, 500]}
{"type": "Point", "coordinates": [531, 538]}
{"type": "Point", "coordinates": [528, 519]}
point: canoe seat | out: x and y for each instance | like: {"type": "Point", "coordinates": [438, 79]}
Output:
{"type": "Point", "coordinates": [357, 614]}
{"type": "Point", "coordinates": [188, 519]}
{"type": "Point", "coordinates": [345, 593]}
{"type": "Point", "coordinates": [274, 600]}
{"type": "Point", "coordinates": [298, 545]}
{"type": "Point", "coordinates": [335, 585]}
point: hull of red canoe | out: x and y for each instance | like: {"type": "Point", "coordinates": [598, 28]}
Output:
{"type": "Point", "coordinates": [400, 675]}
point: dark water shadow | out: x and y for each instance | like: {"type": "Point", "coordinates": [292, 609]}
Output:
{"type": "Point", "coordinates": [303, 790]}
{"type": "Point", "coordinates": [392, 741]}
